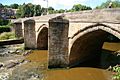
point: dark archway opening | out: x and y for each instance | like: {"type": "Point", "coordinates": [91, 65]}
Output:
{"type": "Point", "coordinates": [92, 50]}
{"type": "Point", "coordinates": [42, 41]}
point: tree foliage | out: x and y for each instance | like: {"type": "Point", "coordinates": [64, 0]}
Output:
{"type": "Point", "coordinates": [37, 10]}
{"type": "Point", "coordinates": [79, 7]}
{"type": "Point", "coordinates": [115, 4]}
{"type": "Point", "coordinates": [1, 6]}
{"type": "Point", "coordinates": [29, 10]}
{"type": "Point", "coordinates": [14, 6]}
{"type": "Point", "coordinates": [51, 10]}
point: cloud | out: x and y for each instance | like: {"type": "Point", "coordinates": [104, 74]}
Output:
{"type": "Point", "coordinates": [64, 4]}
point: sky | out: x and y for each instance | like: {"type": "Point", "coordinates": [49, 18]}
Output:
{"type": "Point", "coordinates": [56, 4]}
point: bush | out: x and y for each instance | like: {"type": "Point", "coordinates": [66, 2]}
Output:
{"type": "Point", "coordinates": [4, 22]}
{"type": "Point", "coordinates": [7, 35]}
{"type": "Point", "coordinates": [116, 72]}
{"type": "Point", "coordinates": [4, 29]}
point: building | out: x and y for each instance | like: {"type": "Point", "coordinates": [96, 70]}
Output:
{"type": "Point", "coordinates": [8, 13]}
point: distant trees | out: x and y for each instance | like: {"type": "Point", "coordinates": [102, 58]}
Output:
{"type": "Point", "coordinates": [37, 10]}
{"type": "Point", "coordinates": [29, 10]}
{"type": "Point", "coordinates": [115, 4]}
{"type": "Point", "coordinates": [14, 6]}
{"type": "Point", "coordinates": [1, 6]}
{"type": "Point", "coordinates": [79, 7]}
{"type": "Point", "coordinates": [51, 10]}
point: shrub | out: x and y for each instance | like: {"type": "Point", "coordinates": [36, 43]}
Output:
{"type": "Point", "coordinates": [4, 29]}
{"type": "Point", "coordinates": [116, 72]}
{"type": "Point", "coordinates": [7, 35]}
{"type": "Point", "coordinates": [4, 22]}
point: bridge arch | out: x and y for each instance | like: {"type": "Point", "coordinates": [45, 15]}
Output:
{"type": "Point", "coordinates": [89, 41]}
{"type": "Point", "coordinates": [42, 37]}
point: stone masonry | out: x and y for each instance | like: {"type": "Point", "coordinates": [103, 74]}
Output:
{"type": "Point", "coordinates": [72, 37]}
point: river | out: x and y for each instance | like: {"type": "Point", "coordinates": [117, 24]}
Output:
{"type": "Point", "coordinates": [76, 73]}
{"type": "Point", "coordinates": [38, 67]}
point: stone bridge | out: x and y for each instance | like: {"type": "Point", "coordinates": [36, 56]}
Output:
{"type": "Point", "coordinates": [70, 37]}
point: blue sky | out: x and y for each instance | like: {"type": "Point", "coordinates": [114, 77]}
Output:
{"type": "Point", "coordinates": [57, 4]}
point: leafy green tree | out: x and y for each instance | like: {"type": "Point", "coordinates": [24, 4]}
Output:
{"type": "Point", "coordinates": [6, 6]}
{"type": "Point", "coordinates": [25, 10]}
{"type": "Point", "coordinates": [1, 6]}
{"type": "Point", "coordinates": [37, 10]}
{"type": "Point", "coordinates": [14, 6]}
{"type": "Point", "coordinates": [51, 10]}
{"type": "Point", "coordinates": [115, 4]}
{"type": "Point", "coordinates": [19, 12]}
{"type": "Point", "coordinates": [79, 7]}
{"type": "Point", "coordinates": [61, 11]}
{"type": "Point", "coordinates": [44, 11]}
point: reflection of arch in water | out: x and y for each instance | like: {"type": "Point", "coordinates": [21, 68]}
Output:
{"type": "Point", "coordinates": [42, 38]}
{"type": "Point", "coordinates": [89, 41]}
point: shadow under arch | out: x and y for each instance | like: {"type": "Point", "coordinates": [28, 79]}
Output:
{"type": "Point", "coordinates": [42, 39]}
{"type": "Point", "coordinates": [88, 45]}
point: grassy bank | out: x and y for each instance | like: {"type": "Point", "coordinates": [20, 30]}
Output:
{"type": "Point", "coordinates": [7, 35]}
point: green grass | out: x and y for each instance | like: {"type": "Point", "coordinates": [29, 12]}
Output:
{"type": "Point", "coordinates": [7, 35]}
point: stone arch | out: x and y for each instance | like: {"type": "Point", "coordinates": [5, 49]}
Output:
{"type": "Point", "coordinates": [42, 38]}
{"type": "Point", "coordinates": [89, 42]}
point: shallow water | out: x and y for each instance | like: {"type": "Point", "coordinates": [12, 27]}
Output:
{"type": "Point", "coordinates": [112, 46]}
{"type": "Point", "coordinates": [39, 58]}
{"type": "Point", "coordinates": [82, 73]}
{"type": "Point", "coordinates": [39, 65]}
{"type": "Point", "coordinates": [79, 73]}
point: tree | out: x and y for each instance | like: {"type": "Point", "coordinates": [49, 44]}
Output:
{"type": "Point", "coordinates": [79, 7]}
{"type": "Point", "coordinates": [26, 10]}
{"type": "Point", "coordinates": [37, 10]}
{"type": "Point", "coordinates": [1, 6]}
{"type": "Point", "coordinates": [14, 6]}
{"type": "Point", "coordinates": [44, 11]}
{"type": "Point", "coordinates": [51, 10]}
{"type": "Point", "coordinates": [115, 4]}
{"type": "Point", "coordinates": [61, 11]}
{"type": "Point", "coordinates": [19, 12]}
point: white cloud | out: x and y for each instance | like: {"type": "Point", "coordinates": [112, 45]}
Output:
{"type": "Point", "coordinates": [65, 4]}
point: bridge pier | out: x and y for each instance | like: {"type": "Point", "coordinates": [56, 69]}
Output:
{"type": "Point", "coordinates": [58, 42]}
{"type": "Point", "coordinates": [30, 34]}
{"type": "Point", "coordinates": [18, 29]}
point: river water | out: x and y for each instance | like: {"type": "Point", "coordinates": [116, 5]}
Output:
{"type": "Point", "coordinates": [76, 73]}
{"type": "Point", "coordinates": [39, 66]}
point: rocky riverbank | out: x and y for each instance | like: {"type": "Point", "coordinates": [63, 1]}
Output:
{"type": "Point", "coordinates": [13, 64]}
